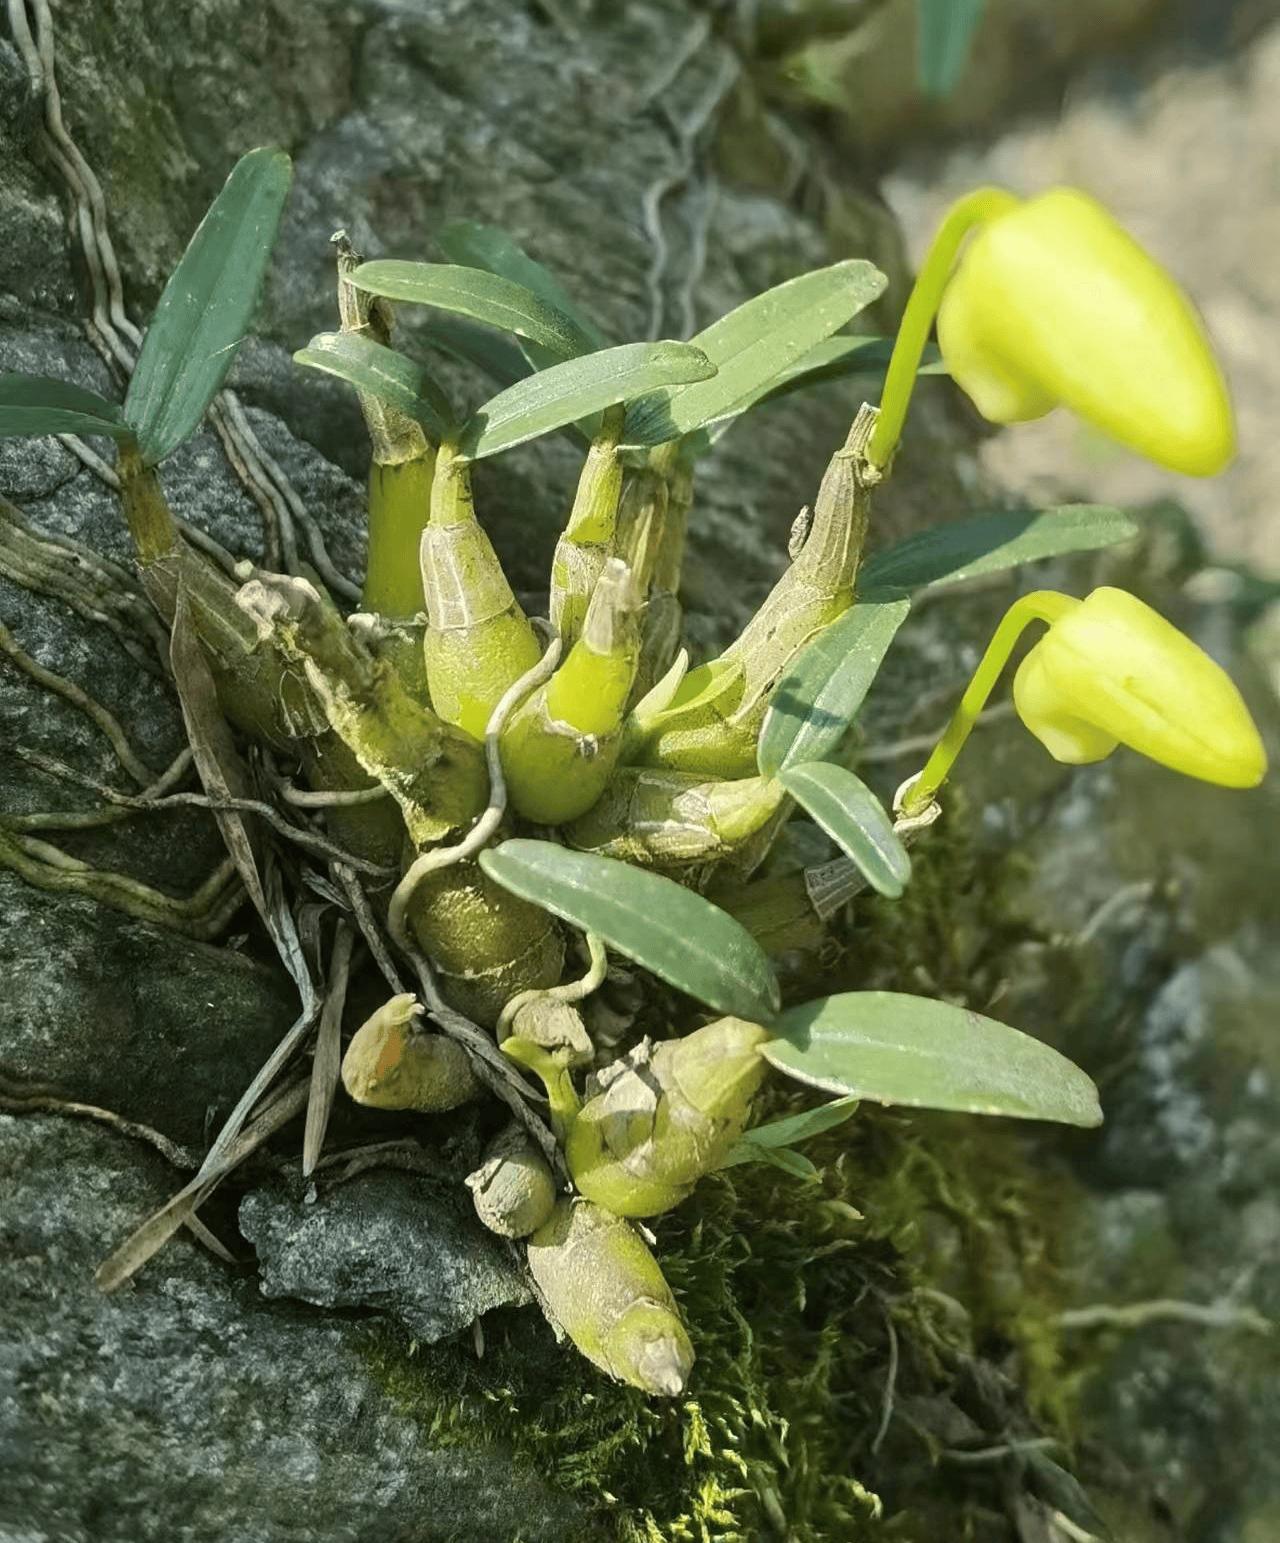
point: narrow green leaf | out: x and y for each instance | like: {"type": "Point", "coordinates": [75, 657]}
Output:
{"type": "Point", "coordinates": [484, 297]}
{"type": "Point", "coordinates": [784, 1158]}
{"type": "Point", "coordinates": [991, 542]}
{"type": "Point", "coordinates": [663, 926]}
{"type": "Point", "coordinates": [34, 404]}
{"type": "Point", "coordinates": [851, 814]}
{"type": "Point", "coordinates": [486, 246]}
{"type": "Point", "coordinates": [898, 1049]}
{"type": "Point", "coordinates": [566, 392]}
{"type": "Point", "coordinates": [945, 31]}
{"type": "Point", "coordinates": [838, 358]}
{"type": "Point", "coordinates": [758, 1142]}
{"type": "Point", "coordinates": [817, 699]}
{"type": "Point", "coordinates": [382, 372]}
{"type": "Point", "coordinates": [753, 345]}
{"type": "Point", "coordinates": [207, 305]}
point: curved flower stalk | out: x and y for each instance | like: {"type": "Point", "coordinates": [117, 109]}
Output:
{"type": "Point", "coordinates": [1053, 303]}
{"type": "Point", "coordinates": [1109, 671]}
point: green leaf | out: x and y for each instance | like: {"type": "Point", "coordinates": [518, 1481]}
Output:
{"type": "Point", "coordinates": [758, 1143]}
{"type": "Point", "coordinates": [668, 929]}
{"type": "Point", "coordinates": [382, 372]}
{"type": "Point", "coordinates": [33, 404]}
{"type": "Point", "coordinates": [899, 1049]}
{"type": "Point", "coordinates": [944, 34]}
{"type": "Point", "coordinates": [207, 305]}
{"type": "Point", "coordinates": [484, 297]}
{"type": "Point", "coordinates": [838, 358]}
{"type": "Point", "coordinates": [566, 392]}
{"type": "Point", "coordinates": [992, 542]}
{"type": "Point", "coordinates": [479, 347]}
{"type": "Point", "coordinates": [794, 1163]}
{"type": "Point", "coordinates": [753, 345]}
{"type": "Point", "coordinates": [818, 697]}
{"type": "Point", "coordinates": [851, 814]}
{"type": "Point", "coordinates": [488, 247]}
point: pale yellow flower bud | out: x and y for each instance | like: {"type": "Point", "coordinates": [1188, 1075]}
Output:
{"type": "Point", "coordinates": [1112, 671]}
{"type": "Point", "coordinates": [1052, 302]}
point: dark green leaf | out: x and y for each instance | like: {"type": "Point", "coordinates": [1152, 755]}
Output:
{"type": "Point", "coordinates": [758, 1143]}
{"type": "Point", "coordinates": [33, 404]}
{"type": "Point", "coordinates": [668, 929]}
{"type": "Point", "coordinates": [486, 350]}
{"type": "Point", "coordinates": [488, 247]}
{"type": "Point", "coordinates": [566, 392]}
{"type": "Point", "coordinates": [484, 297]}
{"type": "Point", "coordinates": [898, 1049]}
{"type": "Point", "coordinates": [850, 813]}
{"type": "Point", "coordinates": [753, 345]}
{"type": "Point", "coordinates": [991, 542]}
{"type": "Point", "coordinates": [384, 373]}
{"type": "Point", "coordinates": [944, 34]}
{"type": "Point", "coordinates": [817, 699]}
{"type": "Point", "coordinates": [207, 305]}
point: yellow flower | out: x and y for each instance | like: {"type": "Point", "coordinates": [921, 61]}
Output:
{"type": "Point", "coordinates": [1111, 671]}
{"type": "Point", "coordinates": [1052, 302]}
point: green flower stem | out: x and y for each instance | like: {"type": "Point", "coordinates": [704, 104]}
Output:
{"type": "Point", "coordinates": [399, 502]}
{"type": "Point", "coordinates": [975, 209]}
{"type": "Point", "coordinates": [1042, 605]}
{"type": "Point", "coordinates": [565, 1103]}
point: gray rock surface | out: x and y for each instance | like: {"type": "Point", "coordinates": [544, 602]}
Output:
{"type": "Point", "coordinates": [190, 1406]}
{"type": "Point", "coordinates": [408, 1247]}
{"type": "Point", "coordinates": [187, 1407]}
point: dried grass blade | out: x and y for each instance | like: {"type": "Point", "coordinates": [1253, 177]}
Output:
{"type": "Point", "coordinates": [180, 1209]}
{"type": "Point", "coordinates": [328, 1059]}
{"type": "Point", "coordinates": [218, 762]}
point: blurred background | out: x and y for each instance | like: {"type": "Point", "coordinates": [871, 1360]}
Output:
{"type": "Point", "coordinates": [1165, 110]}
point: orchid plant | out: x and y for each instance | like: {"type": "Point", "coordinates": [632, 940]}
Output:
{"type": "Point", "coordinates": [493, 783]}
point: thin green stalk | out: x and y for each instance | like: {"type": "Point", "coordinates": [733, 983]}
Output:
{"type": "Point", "coordinates": [1042, 605]}
{"type": "Point", "coordinates": [917, 320]}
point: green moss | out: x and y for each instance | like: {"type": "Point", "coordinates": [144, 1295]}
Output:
{"type": "Point", "coordinates": [808, 1321]}
{"type": "Point", "coordinates": [849, 1333]}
